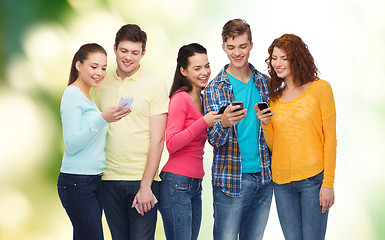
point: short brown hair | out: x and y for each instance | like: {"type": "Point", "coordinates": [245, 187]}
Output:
{"type": "Point", "coordinates": [133, 33]}
{"type": "Point", "coordinates": [234, 28]}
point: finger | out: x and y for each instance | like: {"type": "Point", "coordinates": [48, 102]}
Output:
{"type": "Point", "coordinates": [121, 106]}
{"type": "Point", "coordinates": [134, 202]}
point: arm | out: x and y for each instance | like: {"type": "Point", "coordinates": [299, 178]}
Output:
{"type": "Point", "coordinates": [144, 196]}
{"type": "Point", "coordinates": [75, 138]}
{"type": "Point", "coordinates": [217, 134]}
{"type": "Point", "coordinates": [266, 124]}
{"type": "Point", "coordinates": [176, 136]}
{"type": "Point", "coordinates": [328, 113]}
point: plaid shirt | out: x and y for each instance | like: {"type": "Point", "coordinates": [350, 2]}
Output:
{"type": "Point", "coordinates": [227, 167]}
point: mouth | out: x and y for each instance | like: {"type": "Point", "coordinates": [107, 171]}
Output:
{"type": "Point", "coordinates": [203, 79]}
{"type": "Point", "coordinates": [279, 70]}
{"type": "Point", "coordinates": [127, 64]}
{"type": "Point", "coordinates": [237, 59]}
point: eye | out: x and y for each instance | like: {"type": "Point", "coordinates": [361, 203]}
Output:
{"type": "Point", "coordinates": [93, 67]}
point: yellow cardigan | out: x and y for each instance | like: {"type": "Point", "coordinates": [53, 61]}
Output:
{"type": "Point", "coordinates": [302, 135]}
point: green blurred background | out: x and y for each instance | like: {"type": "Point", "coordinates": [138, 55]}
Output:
{"type": "Point", "coordinates": [39, 38]}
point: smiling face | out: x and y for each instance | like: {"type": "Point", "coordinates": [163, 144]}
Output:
{"type": "Point", "coordinates": [128, 56]}
{"type": "Point", "coordinates": [93, 69]}
{"type": "Point", "coordinates": [281, 64]}
{"type": "Point", "coordinates": [198, 71]}
{"type": "Point", "coordinates": [238, 50]}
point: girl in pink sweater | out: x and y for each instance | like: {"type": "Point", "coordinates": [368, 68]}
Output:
{"type": "Point", "coordinates": [186, 134]}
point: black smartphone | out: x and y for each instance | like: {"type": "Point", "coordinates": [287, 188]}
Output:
{"type": "Point", "coordinates": [222, 109]}
{"type": "Point", "coordinates": [263, 105]}
{"type": "Point", "coordinates": [238, 103]}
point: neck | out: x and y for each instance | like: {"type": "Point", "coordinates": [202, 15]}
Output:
{"type": "Point", "coordinates": [289, 83]}
{"type": "Point", "coordinates": [242, 73]}
{"type": "Point", "coordinates": [195, 92]}
{"type": "Point", "coordinates": [84, 88]}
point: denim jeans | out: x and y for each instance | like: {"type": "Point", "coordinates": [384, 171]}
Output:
{"type": "Point", "coordinates": [180, 206]}
{"type": "Point", "coordinates": [82, 198]}
{"type": "Point", "coordinates": [299, 209]}
{"type": "Point", "coordinates": [125, 222]}
{"type": "Point", "coordinates": [245, 216]}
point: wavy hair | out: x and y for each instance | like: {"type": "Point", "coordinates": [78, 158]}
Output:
{"type": "Point", "coordinates": [185, 52]}
{"type": "Point", "coordinates": [301, 62]}
{"type": "Point", "coordinates": [81, 55]}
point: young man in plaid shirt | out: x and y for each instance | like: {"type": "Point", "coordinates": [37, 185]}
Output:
{"type": "Point", "coordinates": [241, 173]}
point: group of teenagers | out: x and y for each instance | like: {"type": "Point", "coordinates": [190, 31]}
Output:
{"type": "Point", "coordinates": [112, 151]}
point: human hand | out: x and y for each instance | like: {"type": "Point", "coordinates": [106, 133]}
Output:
{"type": "Point", "coordinates": [113, 114]}
{"type": "Point", "coordinates": [326, 198]}
{"type": "Point", "coordinates": [262, 115]}
{"type": "Point", "coordinates": [231, 117]}
{"type": "Point", "coordinates": [145, 200]}
{"type": "Point", "coordinates": [211, 118]}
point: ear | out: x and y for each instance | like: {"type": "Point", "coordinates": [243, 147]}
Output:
{"type": "Point", "coordinates": [143, 52]}
{"type": "Point", "coordinates": [223, 46]}
{"type": "Point", "coordinates": [115, 49]}
{"type": "Point", "coordinates": [77, 65]}
{"type": "Point", "coordinates": [183, 71]}
{"type": "Point", "coordinates": [251, 44]}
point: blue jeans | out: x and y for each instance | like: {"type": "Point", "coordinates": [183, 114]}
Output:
{"type": "Point", "coordinates": [180, 206]}
{"type": "Point", "coordinates": [125, 222]}
{"type": "Point", "coordinates": [82, 198]}
{"type": "Point", "coordinates": [299, 209]}
{"type": "Point", "coordinates": [245, 216]}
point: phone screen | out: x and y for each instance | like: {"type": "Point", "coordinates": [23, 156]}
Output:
{"type": "Point", "coordinates": [238, 103]}
{"type": "Point", "coordinates": [222, 109]}
{"type": "Point", "coordinates": [127, 100]}
{"type": "Point", "coordinates": [263, 105]}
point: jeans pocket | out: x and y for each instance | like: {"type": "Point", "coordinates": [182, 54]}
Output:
{"type": "Point", "coordinates": [62, 191]}
{"type": "Point", "coordinates": [180, 186]}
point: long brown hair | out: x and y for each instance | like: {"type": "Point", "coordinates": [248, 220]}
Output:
{"type": "Point", "coordinates": [180, 81]}
{"type": "Point", "coordinates": [301, 62]}
{"type": "Point", "coordinates": [81, 55]}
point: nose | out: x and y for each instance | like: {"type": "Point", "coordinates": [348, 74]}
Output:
{"type": "Point", "coordinates": [236, 51]}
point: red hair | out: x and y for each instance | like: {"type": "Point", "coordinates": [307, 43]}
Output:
{"type": "Point", "coordinates": [301, 62]}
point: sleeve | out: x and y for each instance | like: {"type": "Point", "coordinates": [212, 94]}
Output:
{"type": "Point", "coordinates": [159, 103]}
{"type": "Point", "coordinates": [328, 113]}
{"type": "Point", "coordinates": [176, 136]}
{"type": "Point", "coordinates": [76, 138]}
{"type": "Point", "coordinates": [217, 134]}
{"type": "Point", "coordinates": [268, 133]}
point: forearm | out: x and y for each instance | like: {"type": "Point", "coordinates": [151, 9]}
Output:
{"type": "Point", "coordinates": [217, 135]}
{"type": "Point", "coordinates": [178, 140]}
{"type": "Point", "coordinates": [268, 133]}
{"type": "Point", "coordinates": [152, 164]}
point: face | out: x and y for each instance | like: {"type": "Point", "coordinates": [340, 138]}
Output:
{"type": "Point", "coordinates": [128, 56]}
{"type": "Point", "coordinates": [238, 50]}
{"type": "Point", "coordinates": [93, 70]}
{"type": "Point", "coordinates": [198, 70]}
{"type": "Point", "coordinates": [280, 63]}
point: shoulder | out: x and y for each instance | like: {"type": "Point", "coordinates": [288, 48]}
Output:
{"type": "Point", "coordinates": [322, 84]}
{"type": "Point", "coordinates": [179, 97]}
{"type": "Point", "coordinates": [71, 92]}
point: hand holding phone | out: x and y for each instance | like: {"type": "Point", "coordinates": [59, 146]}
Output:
{"type": "Point", "coordinates": [126, 100]}
{"type": "Point", "coordinates": [137, 205]}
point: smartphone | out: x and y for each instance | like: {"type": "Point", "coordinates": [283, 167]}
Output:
{"type": "Point", "coordinates": [137, 206]}
{"type": "Point", "coordinates": [238, 103]}
{"type": "Point", "coordinates": [263, 105]}
{"type": "Point", "coordinates": [126, 100]}
{"type": "Point", "coordinates": [222, 109]}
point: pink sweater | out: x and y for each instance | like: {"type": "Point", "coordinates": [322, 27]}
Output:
{"type": "Point", "coordinates": [186, 134]}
